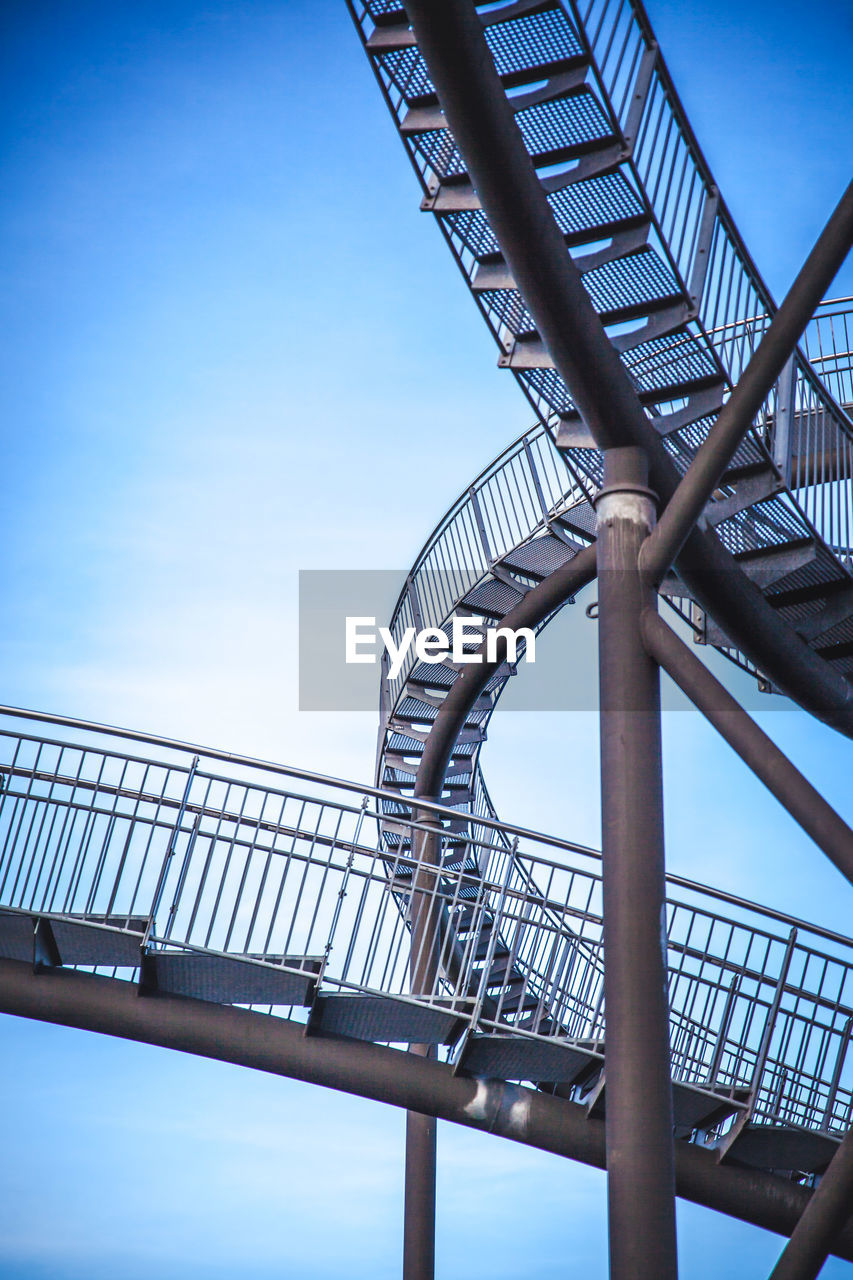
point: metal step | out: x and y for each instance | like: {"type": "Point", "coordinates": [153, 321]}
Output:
{"type": "Point", "coordinates": [493, 599]}
{"type": "Point", "coordinates": [508, 1057]}
{"type": "Point", "coordinates": [423, 119]}
{"type": "Point", "coordinates": [836, 611]}
{"type": "Point", "coordinates": [666, 321]}
{"type": "Point", "coordinates": [580, 519]}
{"type": "Point", "coordinates": [474, 733]}
{"type": "Point", "coordinates": [700, 404]}
{"type": "Point", "coordinates": [460, 862]}
{"type": "Point", "coordinates": [516, 997]}
{"type": "Point", "coordinates": [454, 789]}
{"type": "Point", "coordinates": [470, 918]}
{"type": "Point", "coordinates": [495, 274]}
{"type": "Point", "coordinates": [633, 286]}
{"type": "Point", "coordinates": [697, 1108]}
{"type": "Point", "coordinates": [509, 35]}
{"type": "Point", "coordinates": [528, 354]}
{"type": "Point", "coordinates": [17, 937]}
{"type": "Point", "coordinates": [391, 38]}
{"type": "Point", "coordinates": [230, 979]}
{"type": "Point", "coordinates": [748, 492]}
{"type": "Point", "coordinates": [560, 129]}
{"type": "Point", "coordinates": [455, 194]}
{"type": "Point", "coordinates": [501, 967]}
{"type": "Point", "coordinates": [460, 767]}
{"type": "Point", "coordinates": [412, 710]}
{"type": "Point", "coordinates": [96, 941]}
{"type": "Point", "coordinates": [383, 1019]}
{"type": "Point", "coordinates": [770, 565]}
{"type": "Point", "coordinates": [783, 1148]}
{"type": "Point", "coordinates": [539, 558]}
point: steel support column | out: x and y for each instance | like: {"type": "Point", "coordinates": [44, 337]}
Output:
{"type": "Point", "coordinates": [419, 1227]}
{"type": "Point", "coordinates": [419, 1212]}
{"type": "Point", "coordinates": [419, 1202]}
{"type": "Point", "coordinates": [638, 1116]}
{"type": "Point", "coordinates": [826, 1213]}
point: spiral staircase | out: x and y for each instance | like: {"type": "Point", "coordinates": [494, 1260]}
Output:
{"type": "Point", "coordinates": [199, 876]}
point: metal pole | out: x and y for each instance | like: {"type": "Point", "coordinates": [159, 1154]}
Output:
{"type": "Point", "coordinates": [419, 1200]}
{"type": "Point", "coordinates": [419, 1205]}
{"type": "Point", "coordinates": [419, 1212]}
{"type": "Point", "coordinates": [817, 818]}
{"type": "Point", "coordinates": [826, 1213]}
{"type": "Point", "coordinates": [638, 1114]}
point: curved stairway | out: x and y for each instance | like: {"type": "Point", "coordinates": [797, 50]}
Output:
{"type": "Point", "coordinates": [667, 272]}
{"type": "Point", "coordinates": [199, 874]}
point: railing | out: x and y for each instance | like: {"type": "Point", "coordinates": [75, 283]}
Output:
{"type": "Point", "coordinates": [250, 862]}
{"type": "Point", "coordinates": [504, 507]}
{"type": "Point", "coordinates": [802, 426]}
{"type": "Point", "coordinates": [828, 343]}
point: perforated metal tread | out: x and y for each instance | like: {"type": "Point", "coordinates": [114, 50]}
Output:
{"type": "Point", "coordinates": [697, 1108]}
{"type": "Point", "coordinates": [96, 944]}
{"type": "Point", "coordinates": [382, 1019]}
{"type": "Point", "coordinates": [539, 558]}
{"type": "Point", "coordinates": [17, 936]}
{"type": "Point", "coordinates": [782, 1148]}
{"type": "Point", "coordinates": [231, 980]}
{"type": "Point", "coordinates": [503, 1057]}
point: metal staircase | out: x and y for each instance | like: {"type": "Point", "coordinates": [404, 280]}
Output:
{"type": "Point", "coordinates": [204, 877]}
{"type": "Point", "coordinates": [667, 273]}
{"type": "Point", "coordinates": [233, 881]}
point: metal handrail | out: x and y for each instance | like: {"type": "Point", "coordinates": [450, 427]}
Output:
{"type": "Point", "coordinates": [500, 827]}
{"type": "Point", "coordinates": [93, 838]}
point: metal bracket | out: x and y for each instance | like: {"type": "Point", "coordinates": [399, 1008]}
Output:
{"type": "Point", "coordinates": [642, 84]}
{"type": "Point", "coordinates": [783, 426]}
{"type": "Point", "coordinates": [748, 493]}
{"type": "Point", "coordinates": [702, 253]}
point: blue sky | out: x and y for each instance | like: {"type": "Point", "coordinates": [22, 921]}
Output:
{"type": "Point", "coordinates": [235, 349]}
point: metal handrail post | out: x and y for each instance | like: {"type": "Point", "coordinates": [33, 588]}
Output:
{"type": "Point", "coordinates": [719, 1047]}
{"type": "Point", "coordinates": [342, 892]}
{"type": "Point", "coordinates": [836, 1074]}
{"type": "Point", "coordinates": [170, 851]}
{"type": "Point", "coordinates": [770, 1024]}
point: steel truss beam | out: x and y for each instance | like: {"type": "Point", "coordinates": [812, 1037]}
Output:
{"type": "Point", "coordinates": [264, 1043]}
{"type": "Point", "coordinates": [824, 1216]}
{"type": "Point", "coordinates": [754, 385]}
{"type": "Point", "coordinates": [794, 792]}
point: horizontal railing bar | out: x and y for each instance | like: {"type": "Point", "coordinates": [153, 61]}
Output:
{"type": "Point", "coordinates": [465, 879]}
{"type": "Point", "coordinates": [289, 771]}
{"type": "Point", "coordinates": [682, 882]}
